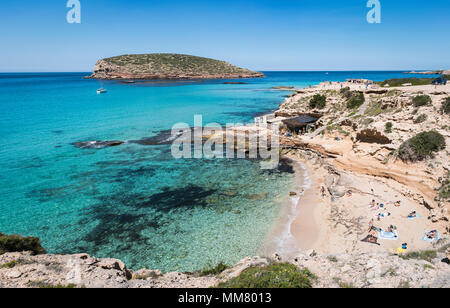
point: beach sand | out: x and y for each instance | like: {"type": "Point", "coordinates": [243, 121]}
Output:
{"type": "Point", "coordinates": [336, 227]}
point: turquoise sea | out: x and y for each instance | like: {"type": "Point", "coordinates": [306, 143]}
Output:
{"type": "Point", "coordinates": [135, 202]}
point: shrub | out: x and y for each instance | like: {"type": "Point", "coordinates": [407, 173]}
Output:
{"type": "Point", "coordinates": [400, 81]}
{"type": "Point", "coordinates": [444, 191]}
{"type": "Point", "coordinates": [388, 128]}
{"type": "Point", "coordinates": [421, 100]}
{"type": "Point", "coordinates": [42, 284]}
{"type": "Point", "coordinates": [277, 275]}
{"type": "Point", "coordinates": [10, 264]}
{"type": "Point", "coordinates": [356, 100]}
{"type": "Point", "coordinates": [421, 118]}
{"type": "Point", "coordinates": [446, 106]}
{"type": "Point", "coordinates": [427, 255]}
{"type": "Point", "coordinates": [219, 268]}
{"type": "Point", "coordinates": [318, 101]}
{"type": "Point", "coordinates": [17, 243]}
{"type": "Point", "coordinates": [421, 146]}
{"type": "Point", "coordinates": [345, 92]}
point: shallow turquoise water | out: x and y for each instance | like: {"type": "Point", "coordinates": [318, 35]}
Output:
{"type": "Point", "coordinates": [135, 202]}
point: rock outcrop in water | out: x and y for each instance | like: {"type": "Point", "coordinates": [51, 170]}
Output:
{"type": "Point", "coordinates": [95, 144]}
{"type": "Point", "coordinates": [168, 66]}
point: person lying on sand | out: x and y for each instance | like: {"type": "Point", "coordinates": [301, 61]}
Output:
{"type": "Point", "coordinates": [412, 215]}
{"type": "Point", "coordinates": [349, 193]}
{"type": "Point", "coordinates": [373, 230]}
{"type": "Point", "coordinates": [382, 215]}
{"type": "Point", "coordinates": [396, 203]}
{"type": "Point", "coordinates": [371, 239]}
{"type": "Point", "coordinates": [432, 234]}
{"type": "Point", "coordinates": [322, 190]}
{"type": "Point", "coordinates": [391, 229]}
{"type": "Point", "coordinates": [374, 206]}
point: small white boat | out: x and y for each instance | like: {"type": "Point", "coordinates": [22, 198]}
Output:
{"type": "Point", "coordinates": [101, 91]}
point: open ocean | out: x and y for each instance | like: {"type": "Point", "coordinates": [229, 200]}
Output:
{"type": "Point", "coordinates": [135, 202]}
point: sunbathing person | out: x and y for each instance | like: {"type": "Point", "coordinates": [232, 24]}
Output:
{"type": "Point", "coordinates": [375, 207]}
{"type": "Point", "coordinates": [382, 215]}
{"type": "Point", "coordinates": [322, 190]}
{"type": "Point", "coordinates": [371, 239]}
{"type": "Point", "coordinates": [391, 229]}
{"type": "Point", "coordinates": [432, 234]}
{"type": "Point", "coordinates": [412, 215]}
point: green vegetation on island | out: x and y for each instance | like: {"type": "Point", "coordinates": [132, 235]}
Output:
{"type": "Point", "coordinates": [168, 66]}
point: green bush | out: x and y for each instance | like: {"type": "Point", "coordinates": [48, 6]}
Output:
{"type": "Point", "coordinates": [345, 92]}
{"type": "Point", "coordinates": [427, 255]}
{"type": "Point", "coordinates": [446, 105]}
{"type": "Point", "coordinates": [421, 146]}
{"type": "Point", "coordinates": [388, 128]}
{"type": "Point", "coordinates": [10, 264]}
{"type": "Point", "coordinates": [219, 268]}
{"type": "Point", "coordinates": [421, 100]}
{"type": "Point", "coordinates": [277, 275]}
{"type": "Point", "coordinates": [356, 100]}
{"type": "Point", "coordinates": [400, 81]}
{"type": "Point", "coordinates": [17, 243]}
{"type": "Point", "coordinates": [318, 101]}
{"type": "Point", "coordinates": [421, 118]}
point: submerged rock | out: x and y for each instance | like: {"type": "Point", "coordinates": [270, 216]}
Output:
{"type": "Point", "coordinates": [97, 144]}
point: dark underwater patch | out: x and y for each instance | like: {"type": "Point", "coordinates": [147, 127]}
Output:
{"type": "Point", "coordinates": [285, 166]}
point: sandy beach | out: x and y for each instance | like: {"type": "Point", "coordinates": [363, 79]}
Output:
{"type": "Point", "coordinates": [334, 225]}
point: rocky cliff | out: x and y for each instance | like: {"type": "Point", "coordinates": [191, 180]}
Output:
{"type": "Point", "coordinates": [168, 66]}
{"type": "Point", "coordinates": [416, 270]}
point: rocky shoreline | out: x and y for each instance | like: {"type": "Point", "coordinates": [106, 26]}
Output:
{"type": "Point", "coordinates": [373, 270]}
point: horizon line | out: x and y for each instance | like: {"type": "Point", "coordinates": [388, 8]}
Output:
{"type": "Point", "coordinates": [279, 70]}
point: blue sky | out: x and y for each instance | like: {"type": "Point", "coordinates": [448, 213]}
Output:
{"type": "Point", "coordinates": [258, 34]}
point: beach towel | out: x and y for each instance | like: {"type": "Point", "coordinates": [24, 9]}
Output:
{"type": "Point", "coordinates": [401, 250]}
{"type": "Point", "coordinates": [426, 239]}
{"type": "Point", "coordinates": [388, 235]}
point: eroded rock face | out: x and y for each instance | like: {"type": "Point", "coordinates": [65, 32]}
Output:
{"type": "Point", "coordinates": [372, 136]}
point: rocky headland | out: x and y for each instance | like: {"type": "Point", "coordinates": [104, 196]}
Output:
{"type": "Point", "coordinates": [167, 67]}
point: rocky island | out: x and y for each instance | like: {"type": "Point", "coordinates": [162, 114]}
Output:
{"type": "Point", "coordinates": [167, 67]}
